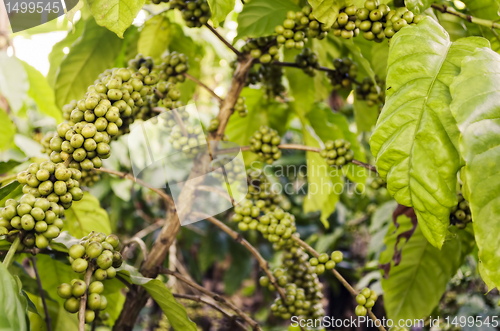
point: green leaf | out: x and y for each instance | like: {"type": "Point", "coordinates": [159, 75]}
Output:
{"type": "Point", "coordinates": [13, 81]}
{"type": "Point", "coordinates": [414, 287]}
{"type": "Point", "coordinates": [12, 308]}
{"type": "Point", "coordinates": [326, 11]}
{"type": "Point", "coordinates": [175, 312]}
{"type": "Point", "coordinates": [418, 6]}
{"type": "Point", "coordinates": [85, 216]}
{"type": "Point", "coordinates": [53, 273]}
{"type": "Point", "coordinates": [42, 93]}
{"type": "Point", "coordinates": [364, 115]}
{"type": "Point", "coordinates": [57, 54]}
{"type": "Point", "coordinates": [7, 189]}
{"type": "Point", "coordinates": [8, 165]}
{"type": "Point", "coordinates": [115, 15]}
{"type": "Point", "coordinates": [239, 269]}
{"type": "Point", "coordinates": [220, 9]}
{"type": "Point", "coordinates": [155, 37]}
{"type": "Point", "coordinates": [259, 17]}
{"type": "Point", "coordinates": [475, 107]}
{"type": "Point", "coordinates": [324, 184]}
{"type": "Point", "coordinates": [415, 141]}
{"type": "Point", "coordinates": [94, 52]}
{"type": "Point", "coordinates": [8, 130]}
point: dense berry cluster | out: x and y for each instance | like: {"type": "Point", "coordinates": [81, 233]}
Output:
{"type": "Point", "coordinates": [262, 48]}
{"type": "Point", "coordinates": [271, 78]}
{"type": "Point", "coordinates": [297, 27]}
{"type": "Point", "coordinates": [378, 183]}
{"type": "Point", "coordinates": [308, 61]}
{"type": "Point", "coordinates": [345, 25]}
{"type": "Point", "coordinates": [337, 153]}
{"type": "Point", "coordinates": [277, 227]}
{"type": "Point", "coordinates": [188, 142]}
{"type": "Point", "coordinates": [366, 300]}
{"type": "Point", "coordinates": [195, 12]}
{"type": "Point", "coordinates": [373, 94]}
{"type": "Point", "coordinates": [174, 66]}
{"type": "Point", "coordinates": [234, 171]}
{"type": "Point", "coordinates": [344, 75]}
{"type": "Point", "coordinates": [241, 107]}
{"type": "Point", "coordinates": [246, 214]}
{"type": "Point", "coordinates": [265, 143]}
{"type": "Point", "coordinates": [90, 177]}
{"type": "Point", "coordinates": [260, 188]}
{"type": "Point", "coordinates": [460, 215]}
{"type": "Point", "coordinates": [398, 19]}
{"type": "Point", "coordinates": [98, 253]}
{"type": "Point", "coordinates": [324, 262]}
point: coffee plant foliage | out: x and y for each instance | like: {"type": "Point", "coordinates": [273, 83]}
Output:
{"type": "Point", "coordinates": [370, 143]}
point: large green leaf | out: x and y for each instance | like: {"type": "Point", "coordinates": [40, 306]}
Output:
{"type": "Point", "coordinates": [12, 307]}
{"type": "Point", "coordinates": [94, 52]}
{"type": "Point", "coordinates": [8, 130]}
{"type": "Point", "coordinates": [85, 216]}
{"type": "Point", "coordinates": [41, 92]}
{"type": "Point", "coordinates": [259, 17]}
{"type": "Point", "coordinates": [220, 9]}
{"type": "Point", "coordinates": [326, 11]}
{"type": "Point", "coordinates": [418, 6]}
{"type": "Point", "coordinates": [414, 287]}
{"type": "Point", "coordinates": [155, 36]}
{"type": "Point", "coordinates": [57, 54]}
{"type": "Point", "coordinates": [476, 109]}
{"type": "Point", "coordinates": [13, 81]}
{"type": "Point", "coordinates": [490, 10]}
{"type": "Point", "coordinates": [115, 15]}
{"type": "Point", "coordinates": [364, 115]}
{"type": "Point", "coordinates": [415, 141]}
{"type": "Point", "coordinates": [324, 184]}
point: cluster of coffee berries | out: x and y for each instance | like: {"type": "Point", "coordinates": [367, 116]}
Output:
{"type": "Point", "coordinates": [38, 218]}
{"type": "Point", "coordinates": [234, 171]}
{"type": "Point", "coordinates": [297, 27]}
{"type": "Point", "coordinates": [308, 61]}
{"type": "Point", "coordinates": [278, 227]}
{"type": "Point", "coordinates": [398, 19]}
{"type": "Point", "coordinates": [345, 25]}
{"type": "Point", "coordinates": [247, 214]}
{"type": "Point", "coordinates": [373, 94]}
{"type": "Point", "coordinates": [89, 177]}
{"type": "Point", "coordinates": [174, 66]}
{"type": "Point", "coordinates": [170, 100]}
{"type": "Point", "coordinates": [260, 188]}
{"type": "Point", "coordinates": [195, 12]}
{"type": "Point", "coordinates": [188, 141]}
{"type": "Point", "coordinates": [241, 107]}
{"type": "Point", "coordinates": [344, 75]}
{"type": "Point", "coordinates": [254, 76]}
{"type": "Point", "coordinates": [378, 183]}
{"type": "Point", "coordinates": [99, 253]}
{"type": "Point", "coordinates": [264, 143]}
{"type": "Point", "coordinates": [271, 78]}
{"type": "Point", "coordinates": [262, 48]}
{"type": "Point", "coordinates": [279, 276]}
{"type": "Point", "coordinates": [214, 124]}
{"type": "Point", "coordinates": [337, 153]}
{"type": "Point", "coordinates": [371, 20]}
{"type": "Point", "coordinates": [461, 215]}
{"type": "Point", "coordinates": [324, 262]}
{"type": "Point", "coordinates": [366, 300]}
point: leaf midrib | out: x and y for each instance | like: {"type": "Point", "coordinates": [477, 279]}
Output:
{"type": "Point", "coordinates": [418, 124]}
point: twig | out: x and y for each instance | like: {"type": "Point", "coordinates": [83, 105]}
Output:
{"type": "Point", "coordinates": [216, 191]}
{"type": "Point", "coordinates": [238, 238]}
{"type": "Point", "coordinates": [168, 199]}
{"type": "Point", "coordinates": [83, 300]}
{"type": "Point", "coordinates": [140, 243]}
{"type": "Point", "coordinates": [199, 299]}
{"type": "Point", "coordinates": [295, 65]}
{"type": "Point", "coordinates": [150, 228]}
{"type": "Point", "coordinates": [42, 296]}
{"type": "Point", "coordinates": [341, 279]}
{"type": "Point", "coordinates": [214, 296]}
{"type": "Point", "coordinates": [12, 250]}
{"type": "Point", "coordinates": [231, 47]}
{"type": "Point", "coordinates": [469, 18]}
{"type": "Point", "coordinates": [209, 90]}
